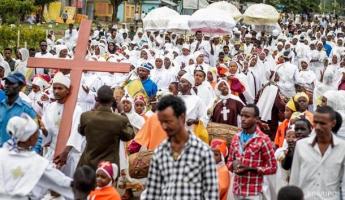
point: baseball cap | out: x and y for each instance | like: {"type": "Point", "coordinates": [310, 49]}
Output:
{"type": "Point", "coordinates": [15, 78]}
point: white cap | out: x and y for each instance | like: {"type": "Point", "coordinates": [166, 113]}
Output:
{"type": "Point", "coordinates": [188, 78]}
{"type": "Point", "coordinates": [62, 79]}
{"type": "Point", "coordinates": [40, 82]}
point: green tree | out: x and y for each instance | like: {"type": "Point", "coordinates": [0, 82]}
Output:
{"type": "Point", "coordinates": [13, 11]}
{"type": "Point", "coordinates": [297, 6]}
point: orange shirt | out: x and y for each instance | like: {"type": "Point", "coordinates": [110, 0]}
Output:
{"type": "Point", "coordinates": [105, 193]}
{"type": "Point", "coordinates": [151, 134]}
{"type": "Point", "coordinates": [280, 135]}
{"type": "Point", "coordinates": [223, 181]}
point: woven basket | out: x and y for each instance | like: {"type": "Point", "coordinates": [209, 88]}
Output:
{"type": "Point", "coordinates": [221, 131]}
{"type": "Point", "coordinates": [139, 164]}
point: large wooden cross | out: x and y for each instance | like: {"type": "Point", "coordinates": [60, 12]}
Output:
{"type": "Point", "coordinates": [77, 66]}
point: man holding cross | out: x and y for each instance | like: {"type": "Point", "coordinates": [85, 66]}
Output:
{"type": "Point", "coordinates": [50, 125]}
{"type": "Point", "coordinates": [76, 66]}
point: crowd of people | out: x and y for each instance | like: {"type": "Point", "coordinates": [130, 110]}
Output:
{"type": "Point", "coordinates": [282, 89]}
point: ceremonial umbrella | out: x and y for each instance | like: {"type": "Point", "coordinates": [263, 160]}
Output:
{"type": "Point", "coordinates": [158, 18]}
{"type": "Point", "coordinates": [227, 7]}
{"type": "Point", "coordinates": [179, 24]}
{"type": "Point", "coordinates": [261, 14]}
{"type": "Point", "coordinates": [213, 21]}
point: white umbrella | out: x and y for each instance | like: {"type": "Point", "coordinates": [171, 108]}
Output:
{"type": "Point", "coordinates": [179, 23]}
{"type": "Point", "coordinates": [158, 18]}
{"type": "Point", "coordinates": [211, 20]}
{"type": "Point", "coordinates": [261, 14]}
{"type": "Point", "coordinates": [228, 7]}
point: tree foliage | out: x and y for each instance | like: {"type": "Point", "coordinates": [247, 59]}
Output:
{"type": "Point", "coordinates": [43, 2]}
{"type": "Point", "coordinates": [12, 11]}
{"type": "Point", "coordinates": [115, 4]}
{"type": "Point", "coordinates": [31, 35]}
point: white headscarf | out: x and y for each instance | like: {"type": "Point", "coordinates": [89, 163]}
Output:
{"type": "Point", "coordinates": [134, 118]}
{"type": "Point", "coordinates": [5, 65]}
{"type": "Point", "coordinates": [335, 99]}
{"type": "Point", "coordinates": [189, 78]}
{"type": "Point", "coordinates": [231, 96]}
{"type": "Point", "coordinates": [59, 48]}
{"type": "Point", "coordinates": [40, 82]}
{"type": "Point", "coordinates": [25, 54]}
{"type": "Point", "coordinates": [21, 128]}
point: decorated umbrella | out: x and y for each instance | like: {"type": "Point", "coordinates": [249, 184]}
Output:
{"type": "Point", "coordinates": [227, 7]}
{"type": "Point", "coordinates": [261, 14]}
{"type": "Point", "coordinates": [158, 18]}
{"type": "Point", "coordinates": [211, 20]}
{"type": "Point", "coordinates": [179, 24]}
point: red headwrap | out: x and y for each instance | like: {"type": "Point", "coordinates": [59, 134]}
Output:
{"type": "Point", "coordinates": [109, 168]}
{"type": "Point", "coordinates": [220, 144]}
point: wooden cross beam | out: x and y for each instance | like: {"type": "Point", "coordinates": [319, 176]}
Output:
{"type": "Point", "coordinates": [77, 65]}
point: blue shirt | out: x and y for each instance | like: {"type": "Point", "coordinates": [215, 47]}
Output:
{"type": "Point", "coordinates": [7, 112]}
{"type": "Point", "coordinates": [328, 48]}
{"type": "Point", "coordinates": [2, 95]}
{"type": "Point", "coordinates": [150, 87]}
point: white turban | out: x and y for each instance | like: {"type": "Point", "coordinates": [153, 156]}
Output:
{"type": "Point", "coordinates": [185, 46]}
{"type": "Point", "coordinates": [40, 82]}
{"type": "Point", "coordinates": [304, 59]}
{"type": "Point", "coordinates": [21, 128]}
{"type": "Point", "coordinates": [59, 48]}
{"type": "Point", "coordinates": [62, 79]}
{"type": "Point", "coordinates": [188, 78]}
{"type": "Point", "coordinates": [197, 54]}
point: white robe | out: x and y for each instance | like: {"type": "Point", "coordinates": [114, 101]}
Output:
{"type": "Point", "coordinates": [35, 100]}
{"type": "Point", "coordinates": [196, 109]}
{"type": "Point", "coordinates": [40, 55]}
{"type": "Point", "coordinates": [24, 174]}
{"type": "Point", "coordinates": [52, 119]}
{"type": "Point", "coordinates": [206, 94]}
{"type": "Point", "coordinates": [162, 77]}
{"type": "Point", "coordinates": [287, 78]}
{"type": "Point", "coordinates": [317, 66]}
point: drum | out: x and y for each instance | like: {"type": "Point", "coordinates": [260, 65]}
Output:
{"type": "Point", "coordinates": [221, 131]}
{"type": "Point", "coordinates": [139, 164]}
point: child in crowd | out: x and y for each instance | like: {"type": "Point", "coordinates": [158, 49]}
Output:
{"type": "Point", "coordinates": [106, 175]}
{"type": "Point", "coordinates": [220, 151]}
